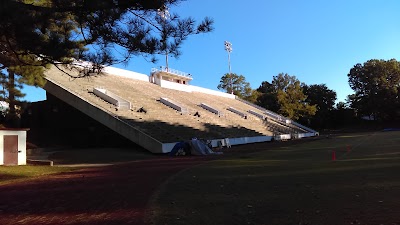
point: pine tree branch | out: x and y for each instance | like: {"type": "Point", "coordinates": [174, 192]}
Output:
{"type": "Point", "coordinates": [93, 5]}
{"type": "Point", "coordinates": [146, 20]}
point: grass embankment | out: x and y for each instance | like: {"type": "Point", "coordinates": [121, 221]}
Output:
{"type": "Point", "coordinates": [298, 184]}
{"type": "Point", "coordinates": [10, 174]}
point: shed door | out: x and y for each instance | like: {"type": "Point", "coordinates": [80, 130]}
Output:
{"type": "Point", "coordinates": [10, 150]}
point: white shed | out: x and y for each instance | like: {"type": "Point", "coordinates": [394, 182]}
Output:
{"type": "Point", "coordinates": [13, 146]}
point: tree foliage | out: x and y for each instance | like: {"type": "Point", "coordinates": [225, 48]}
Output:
{"type": "Point", "coordinates": [11, 93]}
{"type": "Point", "coordinates": [321, 96]}
{"type": "Point", "coordinates": [57, 31]}
{"type": "Point", "coordinates": [268, 96]}
{"type": "Point", "coordinates": [376, 84]}
{"type": "Point", "coordinates": [231, 82]}
{"type": "Point", "coordinates": [289, 96]}
{"type": "Point", "coordinates": [253, 96]}
{"type": "Point", "coordinates": [324, 99]}
{"type": "Point", "coordinates": [16, 73]}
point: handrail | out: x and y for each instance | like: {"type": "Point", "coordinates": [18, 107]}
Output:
{"type": "Point", "coordinates": [172, 71]}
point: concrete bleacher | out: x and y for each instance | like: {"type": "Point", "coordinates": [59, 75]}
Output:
{"type": "Point", "coordinates": [256, 114]}
{"type": "Point", "coordinates": [161, 124]}
{"type": "Point", "coordinates": [244, 115]}
{"type": "Point", "coordinates": [112, 98]}
{"type": "Point", "coordinates": [174, 105]}
{"type": "Point", "coordinates": [211, 109]}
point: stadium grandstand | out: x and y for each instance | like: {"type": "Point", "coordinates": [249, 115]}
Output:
{"type": "Point", "coordinates": [161, 109]}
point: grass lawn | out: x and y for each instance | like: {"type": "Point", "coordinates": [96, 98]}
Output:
{"type": "Point", "coordinates": [15, 173]}
{"type": "Point", "coordinates": [296, 185]}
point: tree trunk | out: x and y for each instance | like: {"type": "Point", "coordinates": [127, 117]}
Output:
{"type": "Point", "coordinates": [11, 118]}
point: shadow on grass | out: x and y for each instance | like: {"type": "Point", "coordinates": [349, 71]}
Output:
{"type": "Point", "coordinates": [5, 178]}
{"type": "Point", "coordinates": [98, 155]}
{"type": "Point", "coordinates": [103, 195]}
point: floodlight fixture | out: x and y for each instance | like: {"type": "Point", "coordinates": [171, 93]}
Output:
{"type": "Point", "coordinates": [228, 46]}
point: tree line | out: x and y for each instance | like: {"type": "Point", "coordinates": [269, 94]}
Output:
{"type": "Point", "coordinates": [376, 86]}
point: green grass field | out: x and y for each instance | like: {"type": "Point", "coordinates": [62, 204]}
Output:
{"type": "Point", "coordinates": [297, 185]}
{"type": "Point", "coordinates": [17, 173]}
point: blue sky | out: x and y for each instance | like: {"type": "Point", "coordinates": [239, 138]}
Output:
{"type": "Point", "coordinates": [317, 41]}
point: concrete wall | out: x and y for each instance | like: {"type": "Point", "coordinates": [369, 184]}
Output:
{"type": "Point", "coordinates": [125, 73]}
{"type": "Point", "coordinates": [305, 135]}
{"type": "Point", "coordinates": [167, 147]}
{"type": "Point", "coordinates": [211, 92]}
{"type": "Point", "coordinates": [173, 85]}
{"type": "Point", "coordinates": [283, 137]}
{"type": "Point", "coordinates": [295, 136]}
{"type": "Point", "coordinates": [106, 118]}
{"type": "Point", "coordinates": [21, 145]}
{"type": "Point", "coordinates": [189, 88]}
{"type": "Point", "coordinates": [249, 140]}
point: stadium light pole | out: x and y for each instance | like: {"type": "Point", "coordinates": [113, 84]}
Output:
{"type": "Point", "coordinates": [165, 15]}
{"type": "Point", "coordinates": [228, 48]}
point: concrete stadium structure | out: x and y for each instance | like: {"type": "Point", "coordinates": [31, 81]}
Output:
{"type": "Point", "coordinates": [162, 109]}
